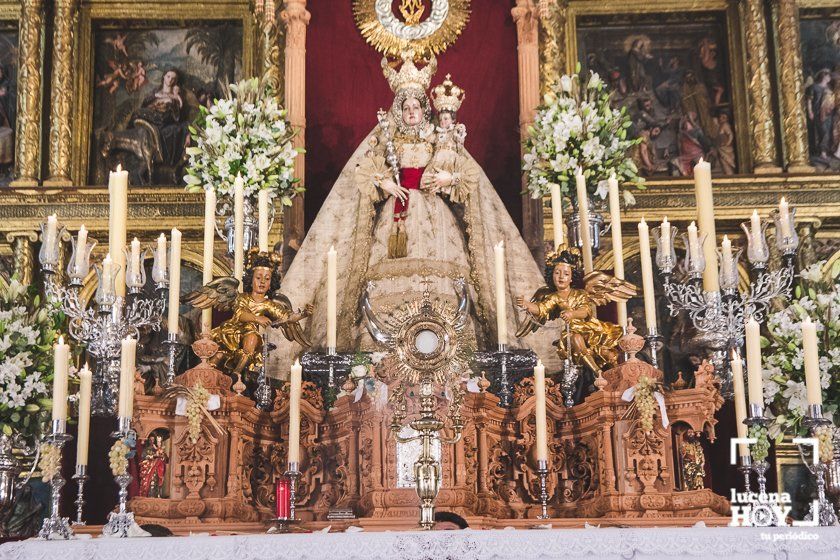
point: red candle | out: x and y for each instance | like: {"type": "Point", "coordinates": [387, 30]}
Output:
{"type": "Point", "coordinates": [282, 495]}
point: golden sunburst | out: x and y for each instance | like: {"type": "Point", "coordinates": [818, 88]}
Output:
{"type": "Point", "coordinates": [382, 29]}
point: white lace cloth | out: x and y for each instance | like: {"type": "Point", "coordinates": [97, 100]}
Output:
{"type": "Point", "coordinates": [694, 543]}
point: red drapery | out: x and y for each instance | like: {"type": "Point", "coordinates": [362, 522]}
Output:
{"type": "Point", "coordinates": [345, 88]}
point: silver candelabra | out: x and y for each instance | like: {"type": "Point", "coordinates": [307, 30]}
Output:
{"type": "Point", "coordinates": [814, 421]}
{"type": "Point", "coordinates": [719, 315]}
{"type": "Point", "coordinates": [120, 521]}
{"type": "Point", "coordinates": [55, 524]}
{"type": "Point", "coordinates": [102, 327]}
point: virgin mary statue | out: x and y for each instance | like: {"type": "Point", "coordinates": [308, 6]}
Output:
{"type": "Point", "coordinates": [412, 211]}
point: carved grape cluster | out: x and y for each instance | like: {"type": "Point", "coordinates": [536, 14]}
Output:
{"type": "Point", "coordinates": [824, 435]}
{"type": "Point", "coordinates": [195, 403]}
{"type": "Point", "coordinates": [761, 448]}
{"type": "Point", "coordinates": [50, 462]}
{"type": "Point", "coordinates": [119, 457]}
{"type": "Point", "coordinates": [645, 403]}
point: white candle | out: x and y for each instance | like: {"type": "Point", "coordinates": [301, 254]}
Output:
{"type": "Point", "coordinates": [262, 199]}
{"type": "Point", "coordinates": [812, 362]}
{"type": "Point", "coordinates": [726, 255]}
{"type": "Point", "coordinates": [61, 366]}
{"type": "Point", "coordinates": [174, 282]}
{"type": "Point", "coordinates": [647, 276]}
{"type": "Point", "coordinates": [125, 405]}
{"type": "Point", "coordinates": [618, 245]}
{"type": "Point", "coordinates": [51, 235]}
{"type": "Point", "coordinates": [83, 437]}
{"type": "Point", "coordinates": [693, 243]}
{"type": "Point", "coordinates": [239, 230]}
{"type": "Point", "coordinates": [107, 275]}
{"type": "Point", "coordinates": [542, 428]}
{"type": "Point", "coordinates": [706, 221]}
{"type": "Point", "coordinates": [135, 256]}
{"type": "Point", "coordinates": [501, 300]}
{"type": "Point", "coordinates": [557, 214]}
{"type": "Point", "coordinates": [583, 207]}
{"type": "Point", "coordinates": [740, 402]}
{"type": "Point", "coordinates": [294, 412]}
{"type": "Point", "coordinates": [755, 228]}
{"type": "Point", "coordinates": [209, 239]}
{"type": "Point", "coordinates": [332, 298]}
{"type": "Point", "coordinates": [665, 236]}
{"type": "Point", "coordinates": [81, 248]}
{"type": "Point", "coordinates": [161, 253]}
{"type": "Point", "coordinates": [118, 189]}
{"type": "Point", "coordinates": [784, 217]}
{"type": "Point", "coordinates": [754, 381]}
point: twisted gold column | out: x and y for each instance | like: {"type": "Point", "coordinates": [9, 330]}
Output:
{"type": "Point", "coordinates": [795, 131]}
{"type": "Point", "coordinates": [23, 253]}
{"type": "Point", "coordinates": [758, 71]}
{"type": "Point", "coordinates": [61, 103]}
{"type": "Point", "coordinates": [296, 17]}
{"type": "Point", "coordinates": [28, 144]}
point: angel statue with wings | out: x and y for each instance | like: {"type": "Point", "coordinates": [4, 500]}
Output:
{"type": "Point", "coordinates": [593, 342]}
{"type": "Point", "coordinates": [261, 305]}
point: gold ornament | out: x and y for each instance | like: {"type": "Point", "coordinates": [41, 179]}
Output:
{"type": "Point", "coordinates": [385, 32]}
{"type": "Point", "coordinates": [409, 76]}
{"type": "Point", "coordinates": [447, 96]}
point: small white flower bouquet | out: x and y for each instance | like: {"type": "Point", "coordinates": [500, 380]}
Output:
{"type": "Point", "coordinates": [577, 127]}
{"type": "Point", "coordinates": [245, 133]}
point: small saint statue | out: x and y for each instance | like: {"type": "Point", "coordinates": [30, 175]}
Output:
{"type": "Point", "coordinates": [259, 306]}
{"type": "Point", "coordinates": [593, 342]}
{"type": "Point", "coordinates": [153, 467]}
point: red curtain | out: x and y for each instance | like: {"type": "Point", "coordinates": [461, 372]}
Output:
{"type": "Point", "coordinates": [345, 88]}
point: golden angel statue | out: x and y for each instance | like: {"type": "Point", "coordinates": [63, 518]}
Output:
{"type": "Point", "coordinates": [258, 307]}
{"type": "Point", "coordinates": [593, 342]}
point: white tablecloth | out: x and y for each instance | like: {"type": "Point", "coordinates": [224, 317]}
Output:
{"type": "Point", "coordinates": [652, 543]}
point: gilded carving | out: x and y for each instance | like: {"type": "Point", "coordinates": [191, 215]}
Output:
{"type": "Point", "coordinates": [27, 156]}
{"type": "Point", "coordinates": [795, 131]}
{"type": "Point", "coordinates": [23, 254]}
{"type": "Point", "coordinates": [553, 15]}
{"type": "Point", "coordinates": [61, 104]}
{"type": "Point", "coordinates": [758, 72]}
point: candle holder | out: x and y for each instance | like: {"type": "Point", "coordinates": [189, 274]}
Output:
{"type": "Point", "coordinates": [655, 343]}
{"type": "Point", "coordinates": [284, 524]}
{"type": "Point", "coordinates": [746, 468]}
{"type": "Point", "coordinates": [262, 394]}
{"type": "Point", "coordinates": [80, 477]}
{"type": "Point", "coordinates": [55, 524]}
{"type": "Point", "coordinates": [331, 359]}
{"type": "Point", "coordinates": [756, 418]}
{"type": "Point", "coordinates": [542, 471]}
{"type": "Point", "coordinates": [505, 392]}
{"type": "Point", "coordinates": [665, 260]}
{"type": "Point", "coordinates": [813, 421]}
{"type": "Point", "coordinates": [121, 521]}
{"type": "Point", "coordinates": [172, 345]}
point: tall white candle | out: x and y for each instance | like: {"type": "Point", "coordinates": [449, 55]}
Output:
{"type": "Point", "coordinates": [174, 282]}
{"type": "Point", "coordinates": [262, 199]}
{"type": "Point", "coordinates": [125, 405]}
{"type": "Point", "coordinates": [61, 366]}
{"type": "Point", "coordinates": [583, 207]}
{"type": "Point", "coordinates": [557, 214]}
{"type": "Point", "coordinates": [161, 252]}
{"type": "Point", "coordinates": [812, 362]}
{"type": "Point", "coordinates": [294, 412]}
{"type": "Point", "coordinates": [209, 239]}
{"type": "Point", "coordinates": [501, 300]}
{"type": "Point", "coordinates": [135, 256]}
{"type": "Point", "coordinates": [118, 219]}
{"type": "Point", "coordinates": [693, 242]}
{"type": "Point", "coordinates": [706, 221]}
{"type": "Point", "coordinates": [665, 236]}
{"type": "Point", "coordinates": [83, 437]}
{"type": "Point", "coordinates": [239, 230]}
{"type": "Point", "coordinates": [647, 276]}
{"type": "Point", "coordinates": [726, 255]}
{"type": "Point", "coordinates": [754, 381]}
{"type": "Point", "coordinates": [740, 402]}
{"type": "Point", "coordinates": [51, 236]}
{"type": "Point", "coordinates": [81, 248]}
{"type": "Point", "coordinates": [332, 298]}
{"type": "Point", "coordinates": [784, 217]}
{"type": "Point", "coordinates": [539, 412]}
{"type": "Point", "coordinates": [618, 245]}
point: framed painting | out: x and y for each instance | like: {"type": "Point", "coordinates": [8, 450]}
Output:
{"type": "Point", "coordinates": [673, 73]}
{"type": "Point", "coordinates": [9, 14]}
{"type": "Point", "coordinates": [145, 80]}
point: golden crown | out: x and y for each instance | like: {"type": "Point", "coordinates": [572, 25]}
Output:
{"type": "Point", "coordinates": [565, 255]}
{"type": "Point", "coordinates": [447, 96]}
{"type": "Point", "coordinates": [409, 76]}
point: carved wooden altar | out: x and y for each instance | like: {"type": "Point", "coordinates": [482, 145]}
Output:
{"type": "Point", "coordinates": [604, 465]}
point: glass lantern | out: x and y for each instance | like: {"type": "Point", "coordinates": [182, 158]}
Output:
{"type": "Point", "coordinates": [728, 272]}
{"type": "Point", "coordinates": [50, 246]}
{"type": "Point", "coordinates": [757, 250]}
{"type": "Point", "coordinates": [787, 240]}
{"type": "Point", "coordinates": [160, 272]}
{"type": "Point", "coordinates": [79, 265]}
{"type": "Point", "coordinates": [694, 257]}
{"type": "Point", "coordinates": [107, 275]}
{"type": "Point", "coordinates": [665, 260]}
{"type": "Point", "coordinates": [135, 279]}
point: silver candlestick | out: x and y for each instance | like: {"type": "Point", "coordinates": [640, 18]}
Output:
{"type": "Point", "coordinates": [542, 471]}
{"type": "Point", "coordinates": [757, 418]}
{"type": "Point", "coordinates": [80, 477]}
{"type": "Point", "coordinates": [814, 420]}
{"type": "Point", "coordinates": [172, 344]}
{"type": "Point", "coordinates": [55, 524]}
{"type": "Point", "coordinates": [284, 524]}
{"type": "Point", "coordinates": [746, 468]}
{"type": "Point", "coordinates": [120, 521]}
{"type": "Point", "coordinates": [655, 342]}
{"type": "Point", "coordinates": [505, 393]}
{"type": "Point", "coordinates": [262, 394]}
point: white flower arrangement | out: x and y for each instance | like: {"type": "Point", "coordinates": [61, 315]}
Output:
{"type": "Point", "coordinates": [818, 297]}
{"type": "Point", "coordinates": [243, 134]}
{"type": "Point", "coordinates": [577, 127]}
{"type": "Point", "coordinates": [27, 333]}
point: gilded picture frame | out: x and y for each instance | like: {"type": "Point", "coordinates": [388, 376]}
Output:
{"type": "Point", "coordinates": [142, 15]}
{"type": "Point", "coordinates": [626, 12]}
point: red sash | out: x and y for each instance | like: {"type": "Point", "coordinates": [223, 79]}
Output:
{"type": "Point", "coordinates": [409, 179]}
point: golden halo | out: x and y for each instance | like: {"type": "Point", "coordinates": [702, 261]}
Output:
{"type": "Point", "coordinates": [390, 36]}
